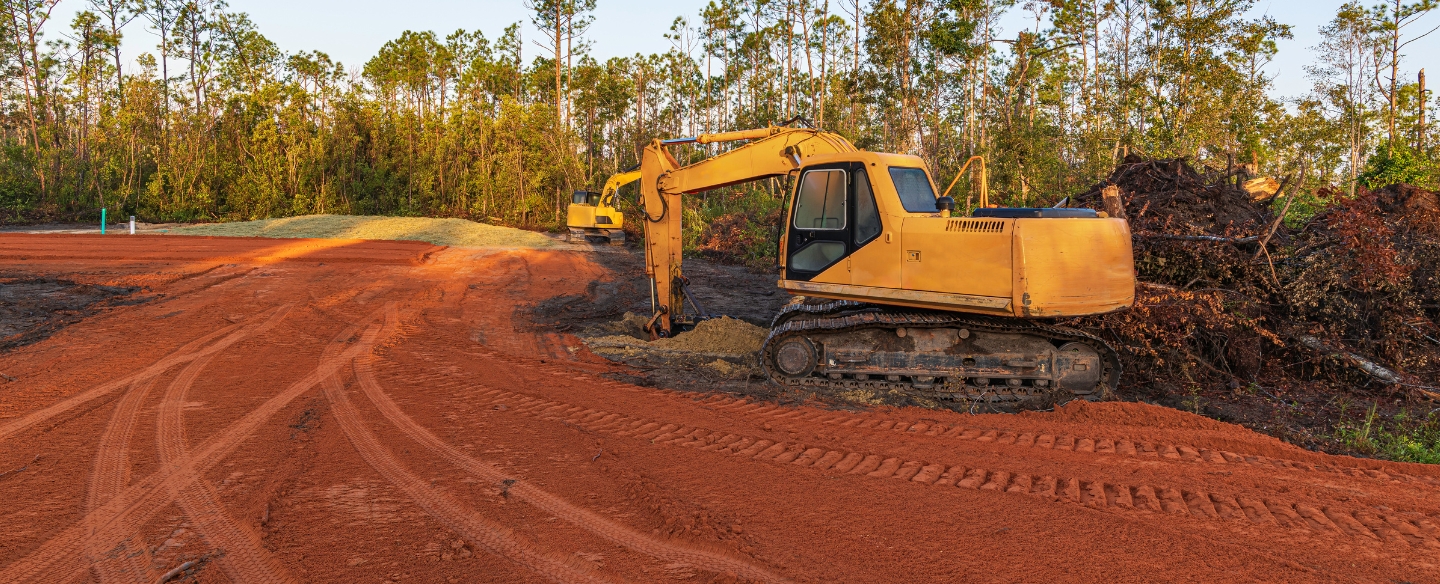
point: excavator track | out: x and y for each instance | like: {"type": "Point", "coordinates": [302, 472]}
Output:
{"type": "Point", "coordinates": [936, 356]}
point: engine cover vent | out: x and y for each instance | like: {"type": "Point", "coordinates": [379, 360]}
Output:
{"type": "Point", "coordinates": [975, 226]}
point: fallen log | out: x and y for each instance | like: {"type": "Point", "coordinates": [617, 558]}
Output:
{"type": "Point", "coordinates": [1370, 368]}
{"type": "Point", "coordinates": [1212, 238]}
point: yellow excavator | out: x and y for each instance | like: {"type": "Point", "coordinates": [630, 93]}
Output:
{"type": "Point", "coordinates": [593, 216]}
{"type": "Point", "coordinates": [901, 296]}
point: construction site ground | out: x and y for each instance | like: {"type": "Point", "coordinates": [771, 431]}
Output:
{"type": "Point", "coordinates": [262, 410]}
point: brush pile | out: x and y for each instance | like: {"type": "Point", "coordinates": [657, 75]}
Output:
{"type": "Point", "coordinates": [1230, 297]}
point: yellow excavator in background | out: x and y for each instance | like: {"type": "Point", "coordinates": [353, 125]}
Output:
{"type": "Point", "coordinates": [593, 215]}
{"type": "Point", "coordinates": [901, 297]}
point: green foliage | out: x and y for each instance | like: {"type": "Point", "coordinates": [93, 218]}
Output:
{"type": "Point", "coordinates": [220, 123]}
{"type": "Point", "coordinates": [1398, 165]}
{"type": "Point", "coordinates": [1403, 437]}
{"type": "Point", "coordinates": [738, 225]}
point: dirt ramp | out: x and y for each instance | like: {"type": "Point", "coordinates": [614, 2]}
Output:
{"type": "Point", "coordinates": [1131, 414]}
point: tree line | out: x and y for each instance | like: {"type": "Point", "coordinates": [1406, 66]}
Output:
{"type": "Point", "coordinates": [218, 122]}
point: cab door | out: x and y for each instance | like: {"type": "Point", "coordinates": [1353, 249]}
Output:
{"type": "Point", "coordinates": [818, 235]}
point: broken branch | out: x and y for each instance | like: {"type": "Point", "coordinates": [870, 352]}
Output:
{"type": "Point", "coordinates": [1289, 198]}
{"type": "Point", "coordinates": [176, 571]}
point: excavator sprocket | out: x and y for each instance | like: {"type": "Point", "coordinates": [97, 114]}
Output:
{"type": "Point", "coordinates": [843, 346]}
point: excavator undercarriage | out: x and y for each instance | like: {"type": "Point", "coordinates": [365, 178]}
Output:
{"type": "Point", "coordinates": [843, 346]}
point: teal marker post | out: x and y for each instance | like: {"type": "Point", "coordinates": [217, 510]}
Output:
{"type": "Point", "coordinates": [102, 222]}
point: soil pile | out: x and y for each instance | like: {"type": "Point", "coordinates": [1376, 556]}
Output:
{"type": "Point", "coordinates": [722, 336]}
{"type": "Point", "coordinates": [1231, 301]}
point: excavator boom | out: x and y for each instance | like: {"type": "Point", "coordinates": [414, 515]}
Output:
{"type": "Point", "coordinates": [773, 151]}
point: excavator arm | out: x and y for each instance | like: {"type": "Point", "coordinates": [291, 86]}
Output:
{"type": "Point", "coordinates": [773, 151]}
{"type": "Point", "coordinates": [607, 194]}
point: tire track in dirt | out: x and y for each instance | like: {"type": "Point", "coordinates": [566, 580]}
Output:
{"type": "Point", "coordinates": [57, 560]}
{"type": "Point", "coordinates": [129, 560]}
{"type": "Point", "coordinates": [115, 325]}
{"type": "Point", "coordinates": [1154, 450]}
{"type": "Point", "coordinates": [487, 534]}
{"type": "Point", "coordinates": [1143, 449]}
{"type": "Point", "coordinates": [710, 560]}
{"type": "Point", "coordinates": [244, 559]}
{"type": "Point", "coordinates": [184, 354]}
{"type": "Point", "coordinates": [1242, 509]}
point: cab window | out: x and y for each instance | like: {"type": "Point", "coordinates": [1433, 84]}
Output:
{"type": "Point", "coordinates": [820, 201]}
{"type": "Point", "coordinates": [913, 186]}
{"type": "Point", "coordinates": [867, 216]}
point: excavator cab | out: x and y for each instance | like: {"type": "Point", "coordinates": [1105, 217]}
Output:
{"type": "Point", "coordinates": [870, 227]}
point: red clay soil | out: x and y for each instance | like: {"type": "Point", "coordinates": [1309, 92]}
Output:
{"type": "Point", "coordinates": [342, 411]}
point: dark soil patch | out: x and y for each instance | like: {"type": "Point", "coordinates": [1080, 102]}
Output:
{"type": "Point", "coordinates": [733, 291]}
{"type": "Point", "coordinates": [32, 309]}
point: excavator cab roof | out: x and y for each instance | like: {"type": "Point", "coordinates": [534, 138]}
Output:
{"type": "Point", "coordinates": [591, 198]}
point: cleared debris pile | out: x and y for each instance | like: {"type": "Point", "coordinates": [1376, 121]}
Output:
{"type": "Point", "coordinates": [1363, 278]}
{"type": "Point", "coordinates": [1229, 298]}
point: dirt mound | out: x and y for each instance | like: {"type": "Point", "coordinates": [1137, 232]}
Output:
{"type": "Point", "coordinates": [720, 336]}
{"type": "Point", "coordinates": [1129, 414]}
{"type": "Point", "coordinates": [451, 232]}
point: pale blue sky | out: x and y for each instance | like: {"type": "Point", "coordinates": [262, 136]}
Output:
{"type": "Point", "coordinates": [351, 31]}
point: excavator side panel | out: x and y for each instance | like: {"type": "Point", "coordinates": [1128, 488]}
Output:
{"type": "Point", "coordinates": [1072, 267]}
{"type": "Point", "coordinates": [878, 263]}
{"type": "Point", "coordinates": [958, 256]}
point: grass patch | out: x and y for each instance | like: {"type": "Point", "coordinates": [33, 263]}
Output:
{"type": "Point", "coordinates": [451, 232]}
{"type": "Point", "coordinates": [1404, 437]}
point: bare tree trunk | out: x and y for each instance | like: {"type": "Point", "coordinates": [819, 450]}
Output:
{"type": "Point", "coordinates": [1420, 139]}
